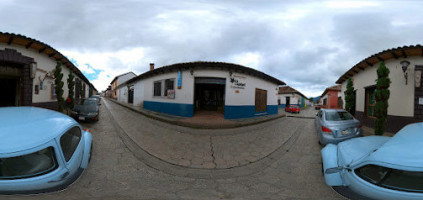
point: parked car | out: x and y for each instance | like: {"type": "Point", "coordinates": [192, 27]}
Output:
{"type": "Point", "coordinates": [292, 109]}
{"type": "Point", "coordinates": [378, 167]}
{"type": "Point", "coordinates": [97, 97]}
{"type": "Point", "coordinates": [40, 150]}
{"type": "Point", "coordinates": [317, 107]}
{"type": "Point", "coordinates": [87, 111]}
{"type": "Point", "coordinates": [336, 125]}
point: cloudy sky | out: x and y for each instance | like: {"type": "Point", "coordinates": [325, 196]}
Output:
{"type": "Point", "coordinates": [307, 44]}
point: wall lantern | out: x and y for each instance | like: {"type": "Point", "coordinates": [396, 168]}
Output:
{"type": "Point", "coordinates": [230, 73]}
{"type": "Point", "coordinates": [33, 69]}
{"type": "Point", "coordinates": [404, 65]}
{"type": "Point", "coordinates": [191, 71]}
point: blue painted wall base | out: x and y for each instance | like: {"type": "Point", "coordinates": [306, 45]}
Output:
{"type": "Point", "coordinates": [187, 110]}
{"type": "Point", "coordinates": [240, 112]}
{"type": "Point", "coordinates": [178, 109]}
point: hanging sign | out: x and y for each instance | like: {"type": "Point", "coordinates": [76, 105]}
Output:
{"type": "Point", "coordinates": [179, 79]}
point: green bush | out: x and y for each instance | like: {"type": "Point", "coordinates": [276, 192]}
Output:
{"type": "Point", "coordinates": [382, 96]}
{"type": "Point", "coordinates": [59, 86]}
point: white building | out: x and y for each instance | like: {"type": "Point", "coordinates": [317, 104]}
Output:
{"type": "Point", "coordinates": [184, 89]}
{"type": "Point", "coordinates": [290, 96]}
{"type": "Point", "coordinates": [406, 91]}
{"type": "Point", "coordinates": [119, 87]}
{"type": "Point", "coordinates": [27, 73]}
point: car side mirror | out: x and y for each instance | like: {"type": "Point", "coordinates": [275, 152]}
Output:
{"type": "Point", "coordinates": [333, 170]}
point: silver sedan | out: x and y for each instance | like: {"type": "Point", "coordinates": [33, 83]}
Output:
{"type": "Point", "coordinates": [336, 125]}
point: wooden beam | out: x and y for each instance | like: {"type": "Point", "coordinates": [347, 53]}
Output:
{"type": "Point", "coordinates": [356, 71]}
{"type": "Point", "coordinates": [10, 41]}
{"type": "Point", "coordinates": [50, 55]}
{"type": "Point", "coordinates": [370, 64]}
{"type": "Point", "coordinates": [29, 44]}
{"type": "Point", "coordinates": [395, 55]}
{"type": "Point", "coordinates": [403, 53]}
{"type": "Point", "coordinates": [380, 59]}
{"type": "Point", "coordinates": [362, 68]}
{"type": "Point", "coordinates": [41, 50]}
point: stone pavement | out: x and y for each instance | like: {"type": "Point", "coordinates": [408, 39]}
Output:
{"type": "Point", "coordinates": [198, 149]}
{"type": "Point", "coordinates": [201, 120]}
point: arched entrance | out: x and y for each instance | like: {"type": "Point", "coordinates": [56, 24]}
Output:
{"type": "Point", "coordinates": [15, 81]}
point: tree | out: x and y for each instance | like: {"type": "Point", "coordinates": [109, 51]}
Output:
{"type": "Point", "coordinates": [350, 97]}
{"type": "Point", "coordinates": [71, 87]}
{"type": "Point", "coordinates": [80, 90]}
{"type": "Point", "coordinates": [381, 95]}
{"type": "Point", "coordinates": [59, 86]}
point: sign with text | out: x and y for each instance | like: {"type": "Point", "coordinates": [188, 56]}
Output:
{"type": "Point", "coordinates": [179, 79]}
{"type": "Point", "coordinates": [238, 82]}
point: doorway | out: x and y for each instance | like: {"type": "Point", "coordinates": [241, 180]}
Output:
{"type": "Point", "coordinates": [287, 101]}
{"type": "Point", "coordinates": [209, 94]}
{"type": "Point", "coordinates": [10, 94]}
{"type": "Point", "coordinates": [131, 94]}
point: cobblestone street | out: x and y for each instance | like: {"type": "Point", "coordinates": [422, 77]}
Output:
{"type": "Point", "coordinates": [284, 154]}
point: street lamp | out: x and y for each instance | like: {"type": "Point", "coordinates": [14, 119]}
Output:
{"type": "Point", "coordinates": [404, 65]}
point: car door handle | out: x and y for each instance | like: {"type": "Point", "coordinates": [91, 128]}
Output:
{"type": "Point", "coordinates": [61, 178]}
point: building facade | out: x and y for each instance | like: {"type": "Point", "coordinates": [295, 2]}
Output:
{"type": "Point", "coordinates": [27, 73]}
{"type": "Point", "coordinates": [116, 84]}
{"type": "Point", "coordinates": [406, 91]}
{"type": "Point", "coordinates": [184, 89]}
{"type": "Point", "coordinates": [331, 98]}
{"type": "Point", "coordinates": [290, 96]}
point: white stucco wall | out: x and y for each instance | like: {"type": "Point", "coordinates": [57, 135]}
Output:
{"type": "Point", "coordinates": [143, 89]}
{"type": "Point", "coordinates": [44, 63]}
{"type": "Point", "coordinates": [139, 93]}
{"type": "Point", "coordinates": [293, 98]}
{"type": "Point", "coordinates": [122, 79]}
{"type": "Point", "coordinates": [401, 100]}
{"type": "Point", "coordinates": [123, 94]}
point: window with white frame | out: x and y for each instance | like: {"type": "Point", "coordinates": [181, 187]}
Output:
{"type": "Point", "coordinates": [165, 88]}
{"type": "Point", "coordinates": [169, 86]}
{"type": "Point", "coordinates": [157, 88]}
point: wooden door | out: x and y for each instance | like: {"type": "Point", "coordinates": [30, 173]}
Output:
{"type": "Point", "coordinates": [261, 100]}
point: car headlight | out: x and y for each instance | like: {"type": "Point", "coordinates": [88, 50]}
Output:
{"type": "Point", "coordinates": [92, 113]}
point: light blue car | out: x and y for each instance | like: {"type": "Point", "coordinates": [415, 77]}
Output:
{"type": "Point", "coordinates": [40, 150]}
{"type": "Point", "coordinates": [378, 167]}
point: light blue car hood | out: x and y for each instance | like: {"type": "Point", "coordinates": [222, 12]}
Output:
{"type": "Point", "coordinates": [23, 128]}
{"type": "Point", "coordinates": [403, 149]}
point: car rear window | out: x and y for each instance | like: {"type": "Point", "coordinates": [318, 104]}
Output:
{"type": "Point", "coordinates": [90, 102]}
{"type": "Point", "coordinates": [338, 116]}
{"type": "Point", "coordinates": [392, 178]}
{"type": "Point", "coordinates": [29, 165]}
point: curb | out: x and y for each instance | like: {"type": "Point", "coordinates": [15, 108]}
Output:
{"type": "Point", "coordinates": [195, 126]}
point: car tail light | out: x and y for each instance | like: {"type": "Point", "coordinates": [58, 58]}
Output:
{"type": "Point", "coordinates": [87, 130]}
{"type": "Point", "coordinates": [361, 125]}
{"type": "Point", "coordinates": [325, 129]}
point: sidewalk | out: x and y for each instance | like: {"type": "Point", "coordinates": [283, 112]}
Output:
{"type": "Point", "coordinates": [367, 131]}
{"type": "Point", "coordinates": [203, 120]}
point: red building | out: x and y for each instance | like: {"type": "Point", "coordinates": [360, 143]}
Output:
{"type": "Point", "coordinates": [331, 97]}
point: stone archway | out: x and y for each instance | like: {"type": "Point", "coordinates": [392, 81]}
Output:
{"type": "Point", "coordinates": [12, 59]}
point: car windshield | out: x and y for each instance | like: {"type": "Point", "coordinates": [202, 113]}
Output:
{"type": "Point", "coordinates": [90, 102]}
{"type": "Point", "coordinates": [392, 178]}
{"type": "Point", "coordinates": [338, 116]}
{"type": "Point", "coordinates": [28, 165]}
